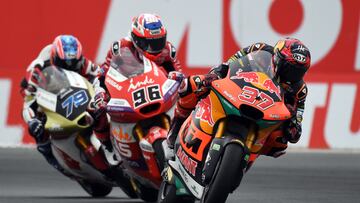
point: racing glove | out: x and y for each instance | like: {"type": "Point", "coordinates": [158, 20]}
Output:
{"type": "Point", "coordinates": [97, 107]}
{"type": "Point", "coordinates": [294, 129]}
{"type": "Point", "coordinates": [36, 129]}
{"type": "Point", "coordinates": [203, 82]}
{"type": "Point", "coordinates": [176, 75]}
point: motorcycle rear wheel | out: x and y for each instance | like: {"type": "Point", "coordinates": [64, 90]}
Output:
{"type": "Point", "coordinates": [95, 189]}
{"type": "Point", "coordinates": [223, 182]}
{"type": "Point", "coordinates": [123, 181]}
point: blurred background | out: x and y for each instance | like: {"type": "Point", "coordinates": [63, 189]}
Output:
{"type": "Point", "coordinates": [205, 33]}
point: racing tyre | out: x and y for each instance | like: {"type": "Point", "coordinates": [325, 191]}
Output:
{"type": "Point", "coordinates": [167, 194]}
{"type": "Point", "coordinates": [147, 194]}
{"type": "Point", "coordinates": [95, 189]}
{"type": "Point", "coordinates": [223, 181]}
{"type": "Point", "coordinates": [159, 153]}
{"type": "Point", "coordinates": [124, 182]}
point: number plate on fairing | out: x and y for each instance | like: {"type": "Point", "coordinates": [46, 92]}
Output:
{"type": "Point", "coordinates": [73, 104]}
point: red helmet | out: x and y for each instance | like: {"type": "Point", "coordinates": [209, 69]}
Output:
{"type": "Point", "coordinates": [148, 33]}
{"type": "Point", "coordinates": [291, 60]}
{"type": "Point", "coordinates": [66, 52]}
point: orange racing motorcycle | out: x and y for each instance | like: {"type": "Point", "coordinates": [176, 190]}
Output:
{"type": "Point", "coordinates": [225, 133]}
{"type": "Point", "coordinates": [140, 109]}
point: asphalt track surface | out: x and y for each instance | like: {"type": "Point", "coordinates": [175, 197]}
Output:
{"type": "Point", "coordinates": [296, 177]}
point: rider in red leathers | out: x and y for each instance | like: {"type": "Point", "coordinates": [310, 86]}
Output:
{"type": "Point", "coordinates": [147, 38]}
{"type": "Point", "coordinates": [290, 62]}
{"type": "Point", "coordinates": [65, 52]}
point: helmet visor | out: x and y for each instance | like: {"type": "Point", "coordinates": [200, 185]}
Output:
{"type": "Point", "coordinates": [150, 45]}
{"type": "Point", "coordinates": [291, 73]}
{"type": "Point", "coordinates": [69, 64]}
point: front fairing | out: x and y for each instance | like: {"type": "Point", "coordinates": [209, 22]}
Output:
{"type": "Point", "coordinates": [140, 95]}
{"type": "Point", "coordinates": [63, 96]}
{"type": "Point", "coordinates": [250, 85]}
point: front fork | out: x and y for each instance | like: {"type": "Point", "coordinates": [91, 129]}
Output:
{"type": "Point", "coordinates": [216, 150]}
{"type": "Point", "coordinates": [146, 143]}
{"type": "Point", "coordinates": [92, 154]}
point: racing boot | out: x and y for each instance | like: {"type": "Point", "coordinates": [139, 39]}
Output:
{"type": "Point", "coordinates": [275, 145]}
{"type": "Point", "coordinates": [168, 145]}
{"type": "Point", "coordinates": [45, 150]}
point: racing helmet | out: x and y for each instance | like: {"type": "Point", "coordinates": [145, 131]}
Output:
{"type": "Point", "coordinates": [291, 60]}
{"type": "Point", "coordinates": [66, 52]}
{"type": "Point", "coordinates": [148, 34]}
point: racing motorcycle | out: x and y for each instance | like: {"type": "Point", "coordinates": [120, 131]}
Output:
{"type": "Point", "coordinates": [141, 106]}
{"type": "Point", "coordinates": [225, 133]}
{"type": "Point", "coordinates": [63, 97]}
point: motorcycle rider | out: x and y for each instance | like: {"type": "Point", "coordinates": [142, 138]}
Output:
{"type": "Point", "coordinates": [65, 52]}
{"type": "Point", "coordinates": [290, 61]}
{"type": "Point", "coordinates": [147, 38]}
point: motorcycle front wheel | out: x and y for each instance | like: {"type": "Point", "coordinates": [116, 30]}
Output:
{"type": "Point", "coordinates": [223, 182]}
{"type": "Point", "coordinates": [147, 194]}
{"type": "Point", "coordinates": [95, 189]}
{"type": "Point", "coordinates": [167, 194]}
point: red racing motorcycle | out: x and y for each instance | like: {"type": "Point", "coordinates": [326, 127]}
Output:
{"type": "Point", "coordinates": [140, 110]}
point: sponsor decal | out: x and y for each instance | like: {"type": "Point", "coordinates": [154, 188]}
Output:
{"type": "Point", "coordinates": [138, 84]}
{"type": "Point", "coordinates": [253, 77]}
{"type": "Point", "coordinates": [246, 76]}
{"type": "Point", "coordinates": [184, 174]}
{"type": "Point", "coordinates": [121, 135]}
{"type": "Point", "coordinates": [276, 116]}
{"type": "Point", "coordinates": [189, 164]}
{"type": "Point", "coordinates": [195, 189]}
{"type": "Point", "coordinates": [64, 92]}
{"type": "Point", "coordinates": [45, 96]}
{"type": "Point", "coordinates": [203, 113]}
{"type": "Point", "coordinates": [299, 58]}
{"type": "Point", "coordinates": [272, 88]}
{"type": "Point", "coordinates": [115, 48]}
{"type": "Point", "coordinates": [230, 96]}
{"type": "Point", "coordinates": [113, 83]}
{"type": "Point", "coordinates": [216, 147]}
{"type": "Point", "coordinates": [55, 127]}
{"type": "Point", "coordinates": [156, 71]}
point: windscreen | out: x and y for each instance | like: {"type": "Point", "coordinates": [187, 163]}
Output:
{"type": "Point", "coordinates": [127, 64]}
{"type": "Point", "coordinates": [259, 61]}
{"type": "Point", "coordinates": [254, 70]}
{"type": "Point", "coordinates": [53, 79]}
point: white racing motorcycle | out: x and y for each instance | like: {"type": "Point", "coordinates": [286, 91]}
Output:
{"type": "Point", "coordinates": [63, 97]}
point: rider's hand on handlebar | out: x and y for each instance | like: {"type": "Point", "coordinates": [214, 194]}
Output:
{"type": "Point", "coordinates": [176, 75]}
{"type": "Point", "coordinates": [203, 82]}
{"type": "Point", "coordinates": [36, 129]}
{"type": "Point", "coordinates": [99, 103]}
{"type": "Point", "coordinates": [293, 131]}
